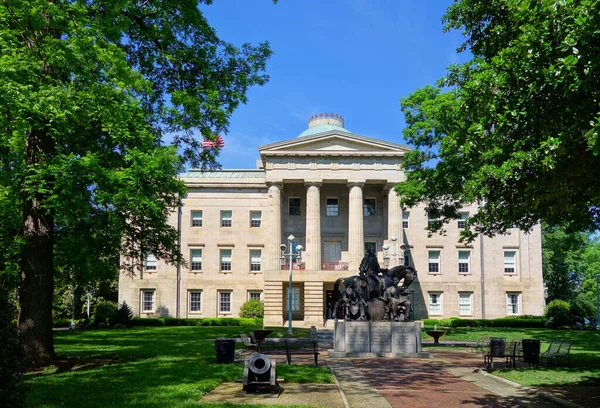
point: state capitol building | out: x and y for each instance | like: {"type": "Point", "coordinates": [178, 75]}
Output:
{"type": "Point", "coordinates": [332, 190]}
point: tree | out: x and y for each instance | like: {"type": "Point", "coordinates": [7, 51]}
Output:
{"type": "Point", "coordinates": [515, 128]}
{"type": "Point", "coordinates": [88, 91]}
{"type": "Point", "coordinates": [563, 263]}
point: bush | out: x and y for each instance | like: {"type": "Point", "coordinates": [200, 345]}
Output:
{"type": "Point", "coordinates": [252, 308]}
{"type": "Point", "coordinates": [105, 312]}
{"type": "Point", "coordinates": [12, 356]}
{"type": "Point", "coordinates": [65, 322]}
{"type": "Point", "coordinates": [124, 314]}
{"type": "Point", "coordinates": [584, 306]}
{"type": "Point", "coordinates": [220, 321]}
{"type": "Point", "coordinates": [119, 326]}
{"type": "Point", "coordinates": [558, 313]}
{"type": "Point", "coordinates": [511, 321]}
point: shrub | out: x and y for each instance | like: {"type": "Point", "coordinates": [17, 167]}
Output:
{"type": "Point", "coordinates": [220, 321]}
{"type": "Point", "coordinates": [65, 322]}
{"type": "Point", "coordinates": [511, 321]}
{"type": "Point", "coordinates": [252, 308]}
{"type": "Point", "coordinates": [12, 356]}
{"type": "Point", "coordinates": [119, 326]}
{"type": "Point", "coordinates": [105, 312]}
{"type": "Point", "coordinates": [124, 314]}
{"type": "Point", "coordinates": [558, 313]}
{"type": "Point", "coordinates": [584, 306]}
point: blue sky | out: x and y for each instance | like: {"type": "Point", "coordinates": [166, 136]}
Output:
{"type": "Point", "coordinates": [356, 58]}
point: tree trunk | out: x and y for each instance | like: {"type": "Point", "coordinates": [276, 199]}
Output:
{"type": "Point", "coordinates": [37, 261]}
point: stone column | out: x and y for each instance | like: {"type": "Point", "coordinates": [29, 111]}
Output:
{"type": "Point", "coordinates": [356, 236]}
{"type": "Point", "coordinates": [274, 239]}
{"type": "Point", "coordinates": [394, 226]}
{"type": "Point", "coordinates": [273, 299]}
{"type": "Point", "coordinates": [313, 304]}
{"type": "Point", "coordinates": [313, 227]}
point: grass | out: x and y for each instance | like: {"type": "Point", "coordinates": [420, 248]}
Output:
{"type": "Point", "coordinates": [149, 367]}
{"type": "Point", "coordinates": [585, 354]}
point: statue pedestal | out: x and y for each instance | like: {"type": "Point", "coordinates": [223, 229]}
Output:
{"type": "Point", "coordinates": [377, 339]}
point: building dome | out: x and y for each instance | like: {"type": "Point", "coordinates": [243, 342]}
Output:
{"type": "Point", "coordinates": [324, 122]}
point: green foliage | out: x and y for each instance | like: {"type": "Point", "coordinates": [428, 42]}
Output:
{"type": "Point", "coordinates": [124, 314]}
{"type": "Point", "coordinates": [219, 321]}
{"type": "Point", "coordinates": [584, 306]}
{"type": "Point", "coordinates": [12, 357]}
{"type": "Point", "coordinates": [512, 321]}
{"type": "Point", "coordinates": [516, 128]}
{"type": "Point", "coordinates": [105, 312]}
{"type": "Point", "coordinates": [558, 313]}
{"type": "Point", "coordinates": [88, 91]}
{"type": "Point", "coordinates": [252, 308]}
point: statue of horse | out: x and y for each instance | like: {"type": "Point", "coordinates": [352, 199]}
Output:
{"type": "Point", "coordinates": [373, 279]}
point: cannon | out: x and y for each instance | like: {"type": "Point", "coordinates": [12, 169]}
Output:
{"type": "Point", "coordinates": [260, 375]}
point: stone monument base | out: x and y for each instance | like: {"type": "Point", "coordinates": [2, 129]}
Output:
{"type": "Point", "coordinates": [377, 339]}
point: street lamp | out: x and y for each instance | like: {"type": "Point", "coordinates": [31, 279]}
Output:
{"type": "Point", "coordinates": [393, 251]}
{"type": "Point", "coordinates": [72, 325]}
{"type": "Point", "coordinates": [289, 257]}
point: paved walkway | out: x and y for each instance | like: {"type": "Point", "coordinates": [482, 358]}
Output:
{"type": "Point", "coordinates": [431, 383]}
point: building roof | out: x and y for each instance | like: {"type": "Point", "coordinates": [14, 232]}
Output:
{"type": "Point", "coordinates": [231, 174]}
{"type": "Point", "coordinates": [322, 129]}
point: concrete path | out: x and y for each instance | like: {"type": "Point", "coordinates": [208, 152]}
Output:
{"type": "Point", "coordinates": [357, 389]}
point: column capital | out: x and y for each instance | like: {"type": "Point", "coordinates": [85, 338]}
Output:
{"type": "Point", "coordinates": [360, 184]}
{"type": "Point", "coordinates": [317, 184]}
{"type": "Point", "coordinates": [278, 184]}
{"type": "Point", "coordinates": [390, 186]}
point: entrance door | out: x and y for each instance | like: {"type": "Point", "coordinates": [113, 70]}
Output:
{"type": "Point", "coordinates": [332, 251]}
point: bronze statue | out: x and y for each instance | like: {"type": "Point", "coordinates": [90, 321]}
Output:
{"type": "Point", "coordinates": [397, 303]}
{"type": "Point", "coordinates": [370, 286]}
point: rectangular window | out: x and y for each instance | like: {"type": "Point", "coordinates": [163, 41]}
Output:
{"type": "Point", "coordinates": [332, 251]}
{"type": "Point", "coordinates": [294, 206]}
{"type": "Point", "coordinates": [196, 218]}
{"type": "Point", "coordinates": [407, 258]}
{"type": "Point", "coordinates": [225, 259]}
{"type": "Point", "coordinates": [435, 303]}
{"type": "Point", "coordinates": [513, 301]}
{"type": "Point", "coordinates": [405, 216]}
{"type": "Point", "coordinates": [196, 259]}
{"type": "Point", "coordinates": [150, 262]}
{"type": "Point", "coordinates": [371, 246]}
{"type": "Point", "coordinates": [464, 260]}
{"type": "Point", "coordinates": [195, 301]}
{"type": "Point", "coordinates": [226, 217]}
{"type": "Point", "coordinates": [254, 295]}
{"type": "Point", "coordinates": [148, 301]}
{"type": "Point", "coordinates": [255, 219]}
{"type": "Point", "coordinates": [462, 221]}
{"type": "Point", "coordinates": [255, 255]}
{"type": "Point", "coordinates": [434, 261]}
{"type": "Point", "coordinates": [431, 220]}
{"type": "Point", "coordinates": [464, 303]}
{"type": "Point", "coordinates": [225, 302]}
{"type": "Point", "coordinates": [370, 207]}
{"type": "Point", "coordinates": [333, 209]}
{"type": "Point", "coordinates": [510, 261]}
{"type": "Point", "coordinates": [295, 299]}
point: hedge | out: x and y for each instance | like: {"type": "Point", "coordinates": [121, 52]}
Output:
{"type": "Point", "coordinates": [221, 321]}
{"type": "Point", "coordinates": [513, 321]}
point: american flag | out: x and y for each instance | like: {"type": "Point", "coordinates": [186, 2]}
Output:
{"type": "Point", "coordinates": [210, 144]}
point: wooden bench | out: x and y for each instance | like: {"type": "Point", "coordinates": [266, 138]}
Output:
{"type": "Point", "coordinates": [302, 348]}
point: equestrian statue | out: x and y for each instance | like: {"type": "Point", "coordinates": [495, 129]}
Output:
{"type": "Point", "coordinates": [374, 284]}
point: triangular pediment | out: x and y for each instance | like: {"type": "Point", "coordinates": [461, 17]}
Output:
{"type": "Point", "coordinates": [331, 142]}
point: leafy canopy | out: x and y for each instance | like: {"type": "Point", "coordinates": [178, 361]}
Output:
{"type": "Point", "coordinates": [514, 129]}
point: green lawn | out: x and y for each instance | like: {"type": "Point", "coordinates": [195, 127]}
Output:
{"type": "Point", "coordinates": [151, 367]}
{"type": "Point", "coordinates": [585, 354]}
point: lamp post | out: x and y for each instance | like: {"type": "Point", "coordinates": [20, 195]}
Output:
{"type": "Point", "coordinates": [289, 257]}
{"type": "Point", "coordinates": [394, 251]}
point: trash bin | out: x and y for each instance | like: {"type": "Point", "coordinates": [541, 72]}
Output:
{"type": "Point", "coordinates": [225, 351]}
{"type": "Point", "coordinates": [531, 351]}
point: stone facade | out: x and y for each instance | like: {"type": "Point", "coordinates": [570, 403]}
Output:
{"type": "Point", "coordinates": [333, 191]}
